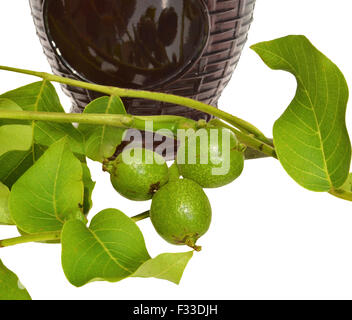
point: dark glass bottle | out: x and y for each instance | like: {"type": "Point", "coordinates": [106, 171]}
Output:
{"type": "Point", "coordinates": [185, 47]}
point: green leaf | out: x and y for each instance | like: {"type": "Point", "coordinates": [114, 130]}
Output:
{"type": "Point", "coordinates": [347, 186]}
{"type": "Point", "coordinates": [9, 105]}
{"type": "Point", "coordinates": [41, 96]}
{"type": "Point", "coordinates": [345, 192]}
{"type": "Point", "coordinates": [311, 138]}
{"type": "Point", "coordinates": [89, 185]}
{"type": "Point", "coordinates": [167, 266]}
{"type": "Point", "coordinates": [111, 249]}
{"type": "Point", "coordinates": [14, 164]}
{"type": "Point", "coordinates": [5, 217]}
{"type": "Point", "coordinates": [101, 141]}
{"type": "Point", "coordinates": [49, 193]}
{"type": "Point", "coordinates": [10, 286]}
{"type": "Point", "coordinates": [15, 137]}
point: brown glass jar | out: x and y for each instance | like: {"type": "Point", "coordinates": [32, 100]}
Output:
{"type": "Point", "coordinates": [184, 47]}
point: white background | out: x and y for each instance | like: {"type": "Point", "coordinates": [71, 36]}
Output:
{"type": "Point", "coordinates": [270, 238]}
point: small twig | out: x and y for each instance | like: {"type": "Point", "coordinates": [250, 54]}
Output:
{"type": "Point", "coordinates": [141, 216]}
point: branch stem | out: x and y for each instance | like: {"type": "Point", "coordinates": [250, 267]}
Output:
{"type": "Point", "coordinates": [37, 237]}
{"type": "Point", "coordinates": [167, 122]}
{"type": "Point", "coordinates": [171, 123]}
{"type": "Point", "coordinates": [240, 124]}
{"type": "Point", "coordinates": [249, 140]}
{"type": "Point", "coordinates": [51, 236]}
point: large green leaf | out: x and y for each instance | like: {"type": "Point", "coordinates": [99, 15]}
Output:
{"type": "Point", "coordinates": [101, 141]}
{"type": "Point", "coordinates": [89, 185]}
{"type": "Point", "coordinates": [167, 266]}
{"type": "Point", "coordinates": [14, 164]}
{"type": "Point", "coordinates": [41, 96]}
{"type": "Point", "coordinates": [10, 286]}
{"type": "Point", "coordinates": [15, 137]}
{"type": "Point", "coordinates": [50, 192]}
{"type": "Point", "coordinates": [111, 249]}
{"type": "Point", "coordinates": [9, 105]}
{"type": "Point", "coordinates": [311, 138]}
{"type": "Point", "coordinates": [5, 217]}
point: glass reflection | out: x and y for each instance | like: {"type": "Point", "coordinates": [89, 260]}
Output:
{"type": "Point", "coordinates": [130, 43]}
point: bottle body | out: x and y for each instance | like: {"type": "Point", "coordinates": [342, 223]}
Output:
{"type": "Point", "coordinates": [189, 47]}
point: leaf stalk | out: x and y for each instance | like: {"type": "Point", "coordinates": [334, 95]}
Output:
{"type": "Point", "coordinates": [342, 194]}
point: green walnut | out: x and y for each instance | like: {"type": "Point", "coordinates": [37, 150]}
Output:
{"type": "Point", "coordinates": [181, 212]}
{"type": "Point", "coordinates": [212, 157]}
{"type": "Point", "coordinates": [138, 173]}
